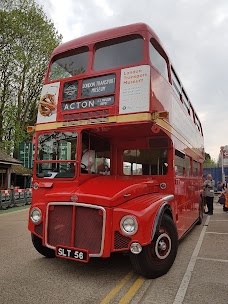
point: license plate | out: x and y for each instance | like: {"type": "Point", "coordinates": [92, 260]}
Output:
{"type": "Point", "coordinates": [72, 254]}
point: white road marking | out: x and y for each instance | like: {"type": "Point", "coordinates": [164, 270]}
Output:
{"type": "Point", "coordinates": [211, 232]}
{"type": "Point", "coordinates": [187, 276]}
{"type": "Point", "coordinates": [215, 260]}
{"type": "Point", "coordinates": [219, 220]}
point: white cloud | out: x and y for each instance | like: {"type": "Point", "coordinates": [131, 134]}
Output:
{"type": "Point", "coordinates": [103, 5]}
{"type": "Point", "coordinates": [203, 116]}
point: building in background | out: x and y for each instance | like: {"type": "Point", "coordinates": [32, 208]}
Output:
{"type": "Point", "coordinates": [223, 162]}
{"type": "Point", "coordinates": [12, 173]}
{"type": "Point", "coordinates": [26, 154]}
{"type": "Point", "coordinates": [220, 171]}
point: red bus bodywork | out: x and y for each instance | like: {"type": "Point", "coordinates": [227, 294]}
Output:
{"type": "Point", "coordinates": [83, 213]}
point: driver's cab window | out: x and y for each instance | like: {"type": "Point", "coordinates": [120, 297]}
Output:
{"type": "Point", "coordinates": [95, 156]}
{"type": "Point", "coordinates": [56, 155]}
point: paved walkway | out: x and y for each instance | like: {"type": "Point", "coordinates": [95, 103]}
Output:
{"type": "Point", "coordinates": [205, 280]}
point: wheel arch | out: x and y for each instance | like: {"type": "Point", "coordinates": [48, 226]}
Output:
{"type": "Point", "coordinates": [165, 208]}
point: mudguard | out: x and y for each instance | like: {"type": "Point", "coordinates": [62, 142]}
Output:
{"type": "Point", "coordinates": [164, 208]}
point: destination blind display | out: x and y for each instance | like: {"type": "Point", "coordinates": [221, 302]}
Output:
{"type": "Point", "coordinates": [92, 87]}
{"type": "Point", "coordinates": [97, 86]}
{"type": "Point", "coordinates": [89, 103]}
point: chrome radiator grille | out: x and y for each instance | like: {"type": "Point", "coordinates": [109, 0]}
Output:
{"type": "Point", "coordinates": [75, 225]}
{"type": "Point", "coordinates": [88, 229]}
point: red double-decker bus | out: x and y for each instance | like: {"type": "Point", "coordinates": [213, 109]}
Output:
{"type": "Point", "coordinates": [118, 154]}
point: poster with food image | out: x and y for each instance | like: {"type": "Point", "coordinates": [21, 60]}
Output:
{"type": "Point", "coordinates": [47, 107]}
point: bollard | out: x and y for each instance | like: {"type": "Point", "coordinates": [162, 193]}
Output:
{"type": "Point", "coordinates": [15, 198]}
{"type": "Point", "coordinates": [19, 197]}
{"type": "Point", "coordinates": [1, 201]}
{"type": "Point", "coordinates": [5, 199]}
{"type": "Point", "coordinates": [28, 196]}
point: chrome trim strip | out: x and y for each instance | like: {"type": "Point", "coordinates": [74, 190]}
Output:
{"type": "Point", "coordinates": [77, 205]}
{"type": "Point", "coordinates": [168, 197]}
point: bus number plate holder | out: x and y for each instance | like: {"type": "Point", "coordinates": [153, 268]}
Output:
{"type": "Point", "coordinates": [70, 253]}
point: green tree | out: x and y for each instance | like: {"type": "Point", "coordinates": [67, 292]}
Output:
{"type": "Point", "coordinates": [27, 38]}
{"type": "Point", "coordinates": [209, 162]}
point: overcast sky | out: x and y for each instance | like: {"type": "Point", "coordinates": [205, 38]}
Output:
{"type": "Point", "coordinates": [194, 34]}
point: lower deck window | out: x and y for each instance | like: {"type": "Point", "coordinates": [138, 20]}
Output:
{"type": "Point", "coordinates": [145, 162]}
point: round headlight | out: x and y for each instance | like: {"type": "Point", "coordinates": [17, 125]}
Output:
{"type": "Point", "coordinates": [129, 225]}
{"type": "Point", "coordinates": [35, 215]}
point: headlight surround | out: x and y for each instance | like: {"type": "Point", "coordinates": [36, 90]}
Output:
{"type": "Point", "coordinates": [35, 215]}
{"type": "Point", "coordinates": [129, 225]}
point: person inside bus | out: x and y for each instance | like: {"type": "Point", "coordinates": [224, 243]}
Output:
{"type": "Point", "coordinates": [88, 159]}
{"type": "Point", "coordinates": [209, 186]}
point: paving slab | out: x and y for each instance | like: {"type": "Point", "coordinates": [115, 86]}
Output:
{"type": "Point", "coordinates": [215, 246]}
{"type": "Point", "coordinates": [218, 226]}
{"type": "Point", "coordinates": [208, 283]}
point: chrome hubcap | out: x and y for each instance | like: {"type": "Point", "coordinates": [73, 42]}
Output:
{"type": "Point", "coordinates": [163, 246]}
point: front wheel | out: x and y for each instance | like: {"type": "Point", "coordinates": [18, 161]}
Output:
{"type": "Point", "coordinates": [37, 243]}
{"type": "Point", "coordinates": [157, 258]}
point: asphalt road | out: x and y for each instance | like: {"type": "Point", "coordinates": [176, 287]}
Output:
{"type": "Point", "coordinates": [199, 274]}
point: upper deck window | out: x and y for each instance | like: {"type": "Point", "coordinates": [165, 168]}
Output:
{"type": "Point", "coordinates": [158, 61]}
{"type": "Point", "coordinates": [69, 64]}
{"type": "Point", "coordinates": [176, 83]}
{"type": "Point", "coordinates": [185, 101]}
{"type": "Point", "coordinates": [117, 52]}
{"type": "Point", "coordinates": [198, 124]}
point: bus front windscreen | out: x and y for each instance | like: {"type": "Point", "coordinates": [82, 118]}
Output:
{"type": "Point", "coordinates": [56, 155]}
{"type": "Point", "coordinates": [69, 64]}
{"type": "Point", "coordinates": [118, 52]}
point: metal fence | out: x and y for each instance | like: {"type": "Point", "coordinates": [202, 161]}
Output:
{"type": "Point", "coordinates": [216, 173]}
{"type": "Point", "coordinates": [15, 198]}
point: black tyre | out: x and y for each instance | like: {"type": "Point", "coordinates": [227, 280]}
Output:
{"type": "Point", "coordinates": [157, 258]}
{"type": "Point", "coordinates": [200, 219]}
{"type": "Point", "coordinates": [37, 243]}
